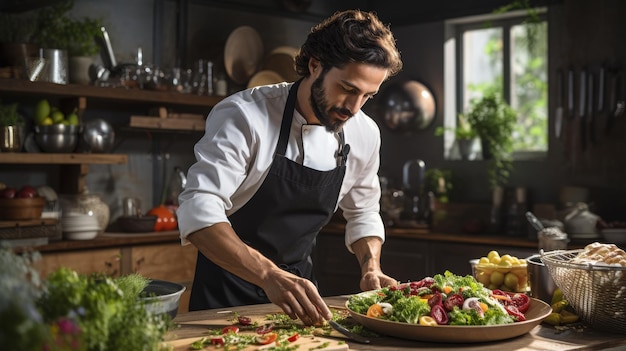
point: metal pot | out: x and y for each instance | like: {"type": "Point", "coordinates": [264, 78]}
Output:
{"type": "Point", "coordinates": [541, 284]}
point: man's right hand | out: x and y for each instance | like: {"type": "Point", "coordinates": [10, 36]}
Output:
{"type": "Point", "coordinates": [297, 297]}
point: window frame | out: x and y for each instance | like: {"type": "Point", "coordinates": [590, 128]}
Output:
{"type": "Point", "coordinates": [455, 29]}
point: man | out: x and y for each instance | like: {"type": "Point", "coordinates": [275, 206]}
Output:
{"type": "Point", "coordinates": [276, 161]}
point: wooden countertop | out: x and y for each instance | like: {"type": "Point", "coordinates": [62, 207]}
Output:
{"type": "Point", "coordinates": [194, 325]}
{"type": "Point", "coordinates": [424, 234]}
{"type": "Point", "coordinates": [129, 239]}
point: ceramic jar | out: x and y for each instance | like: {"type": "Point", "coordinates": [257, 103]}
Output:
{"type": "Point", "coordinates": [90, 204]}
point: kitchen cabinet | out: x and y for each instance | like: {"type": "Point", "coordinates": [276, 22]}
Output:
{"type": "Point", "coordinates": [84, 262]}
{"type": "Point", "coordinates": [171, 262]}
{"type": "Point", "coordinates": [165, 261]}
{"type": "Point", "coordinates": [406, 256]}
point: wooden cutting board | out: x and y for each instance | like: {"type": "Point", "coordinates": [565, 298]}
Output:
{"type": "Point", "coordinates": [191, 330]}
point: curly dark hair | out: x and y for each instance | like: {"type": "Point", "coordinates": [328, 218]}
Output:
{"type": "Point", "coordinates": [350, 36]}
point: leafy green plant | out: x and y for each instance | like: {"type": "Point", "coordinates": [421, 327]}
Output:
{"type": "Point", "coordinates": [439, 181]}
{"type": "Point", "coordinates": [494, 121]}
{"type": "Point", "coordinates": [9, 115]}
{"type": "Point", "coordinates": [462, 131]}
{"type": "Point", "coordinates": [57, 30]}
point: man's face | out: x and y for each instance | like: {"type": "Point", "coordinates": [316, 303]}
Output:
{"type": "Point", "coordinates": [338, 94]}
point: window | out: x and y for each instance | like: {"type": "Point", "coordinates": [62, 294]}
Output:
{"type": "Point", "coordinates": [501, 53]}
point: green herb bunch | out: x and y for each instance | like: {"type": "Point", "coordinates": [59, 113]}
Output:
{"type": "Point", "coordinates": [57, 30]}
{"type": "Point", "coordinates": [9, 115]}
{"type": "Point", "coordinates": [71, 311]}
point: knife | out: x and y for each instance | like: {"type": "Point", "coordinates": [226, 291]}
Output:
{"type": "Point", "coordinates": [558, 118]}
{"type": "Point", "coordinates": [590, 105]}
{"type": "Point", "coordinates": [582, 100]}
{"type": "Point", "coordinates": [601, 86]}
{"type": "Point", "coordinates": [343, 330]}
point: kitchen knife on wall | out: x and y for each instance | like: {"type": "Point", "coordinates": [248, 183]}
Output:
{"type": "Point", "coordinates": [558, 118]}
{"type": "Point", "coordinates": [590, 114]}
{"type": "Point", "coordinates": [609, 111]}
{"type": "Point", "coordinates": [600, 100]}
{"type": "Point", "coordinates": [582, 100]}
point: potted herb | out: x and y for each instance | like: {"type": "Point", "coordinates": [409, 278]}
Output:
{"type": "Point", "coordinates": [464, 135]}
{"type": "Point", "coordinates": [11, 128]}
{"type": "Point", "coordinates": [493, 120]}
{"type": "Point", "coordinates": [77, 36]}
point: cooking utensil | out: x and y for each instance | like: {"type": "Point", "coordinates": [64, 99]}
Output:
{"type": "Point", "coordinates": [611, 106]}
{"type": "Point", "coordinates": [243, 54]}
{"type": "Point", "coordinates": [108, 58]}
{"type": "Point", "coordinates": [408, 107]}
{"type": "Point", "coordinates": [534, 221]}
{"type": "Point", "coordinates": [589, 114]}
{"type": "Point", "coordinates": [582, 101]}
{"type": "Point", "coordinates": [99, 135]}
{"type": "Point", "coordinates": [343, 330]}
{"type": "Point", "coordinates": [558, 118]}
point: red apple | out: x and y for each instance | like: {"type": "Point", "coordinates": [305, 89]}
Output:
{"type": "Point", "coordinates": [8, 193]}
{"type": "Point", "coordinates": [26, 191]}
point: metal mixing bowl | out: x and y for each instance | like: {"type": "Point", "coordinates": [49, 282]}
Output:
{"type": "Point", "coordinates": [57, 137]}
{"type": "Point", "coordinates": [162, 297]}
{"type": "Point", "coordinates": [99, 135]}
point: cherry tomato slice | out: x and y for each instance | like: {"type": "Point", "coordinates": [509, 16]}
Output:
{"type": "Point", "coordinates": [521, 301]}
{"type": "Point", "coordinates": [243, 320]}
{"type": "Point", "coordinates": [294, 337]}
{"type": "Point", "coordinates": [435, 299]}
{"type": "Point", "coordinates": [229, 329]}
{"type": "Point", "coordinates": [266, 338]}
{"type": "Point", "coordinates": [217, 341]}
{"type": "Point", "coordinates": [453, 300]}
{"type": "Point", "coordinates": [515, 313]}
{"type": "Point", "coordinates": [439, 314]}
{"type": "Point", "coordinates": [265, 328]}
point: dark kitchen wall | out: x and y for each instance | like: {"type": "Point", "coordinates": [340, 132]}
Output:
{"type": "Point", "coordinates": [581, 33]}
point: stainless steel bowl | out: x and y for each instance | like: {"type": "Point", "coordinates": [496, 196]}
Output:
{"type": "Point", "coordinates": [99, 135]}
{"type": "Point", "coordinates": [57, 137]}
{"type": "Point", "coordinates": [162, 296]}
{"type": "Point", "coordinates": [541, 284]}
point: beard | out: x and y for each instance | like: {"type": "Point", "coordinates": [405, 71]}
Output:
{"type": "Point", "coordinates": [319, 104]}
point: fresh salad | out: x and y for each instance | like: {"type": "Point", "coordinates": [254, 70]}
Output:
{"type": "Point", "coordinates": [445, 299]}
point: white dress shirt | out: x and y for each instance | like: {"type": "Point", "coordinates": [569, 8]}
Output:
{"type": "Point", "coordinates": [237, 149]}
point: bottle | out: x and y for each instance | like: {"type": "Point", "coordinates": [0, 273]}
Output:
{"type": "Point", "coordinates": [176, 184]}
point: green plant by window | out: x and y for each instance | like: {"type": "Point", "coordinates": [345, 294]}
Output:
{"type": "Point", "coordinates": [494, 121]}
{"type": "Point", "coordinates": [439, 181]}
{"type": "Point", "coordinates": [462, 131]}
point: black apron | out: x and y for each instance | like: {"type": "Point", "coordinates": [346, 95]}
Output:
{"type": "Point", "coordinates": [281, 221]}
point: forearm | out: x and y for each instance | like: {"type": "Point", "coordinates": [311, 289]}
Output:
{"type": "Point", "coordinates": [367, 251]}
{"type": "Point", "coordinates": [220, 244]}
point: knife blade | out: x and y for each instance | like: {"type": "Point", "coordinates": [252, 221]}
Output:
{"type": "Point", "coordinates": [558, 118]}
{"type": "Point", "coordinates": [590, 105]}
{"type": "Point", "coordinates": [343, 330]}
{"type": "Point", "coordinates": [582, 101]}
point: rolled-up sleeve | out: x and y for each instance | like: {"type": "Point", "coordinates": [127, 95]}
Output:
{"type": "Point", "coordinates": [360, 202]}
{"type": "Point", "coordinates": [222, 156]}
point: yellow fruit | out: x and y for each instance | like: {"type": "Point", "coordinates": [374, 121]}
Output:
{"type": "Point", "coordinates": [511, 281]}
{"type": "Point", "coordinates": [484, 278]}
{"type": "Point", "coordinates": [42, 110]}
{"type": "Point", "coordinates": [47, 121]}
{"type": "Point", "coordinates": [483, 260]}
{"type": "Point", "coordinates": [493, 254]}
{"type": "Point", "coordinates": [506, 257]}
{"type": "Point", "coordinates": [553, 319]}
{"type": "Point", "coordinates": [568, 317]}
{"type": "Point", "coordinates": [497, 278]}
{"type": "Point", "coordinates": [72, 119]}
{"type": "Point", "coordinates": [57, 117]}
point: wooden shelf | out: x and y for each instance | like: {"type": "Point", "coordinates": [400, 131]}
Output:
{"type": "Point", "coordinates": [62, 159]}
{"type": "Point", "coordinates": [21, 87]}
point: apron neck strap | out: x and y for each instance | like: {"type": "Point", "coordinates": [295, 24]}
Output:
{"type": "Point", "coordinates": [285, 126]}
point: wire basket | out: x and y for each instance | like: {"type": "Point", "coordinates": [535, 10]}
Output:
{"type": "Point", "coordinates": [596, 292]}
